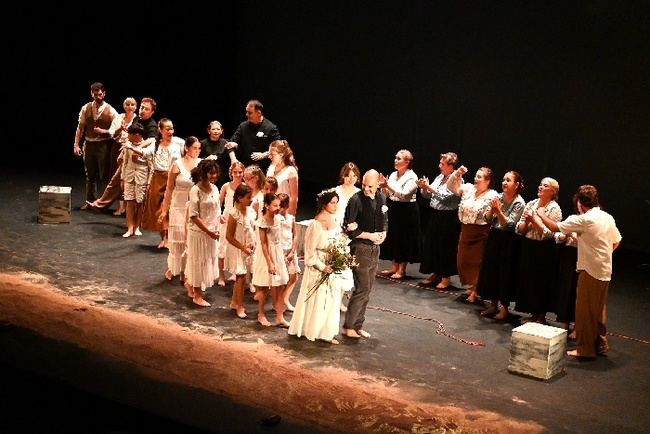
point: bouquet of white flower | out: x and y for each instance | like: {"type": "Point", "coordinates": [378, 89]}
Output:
{"type": "Point", "coordinates": [338, 257]}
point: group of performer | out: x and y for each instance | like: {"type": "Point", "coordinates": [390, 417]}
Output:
{"type": "Point", "coordinates": [502, 248]}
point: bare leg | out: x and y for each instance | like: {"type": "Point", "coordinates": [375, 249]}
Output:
{"type": "Point", "coordinates": [237, 300]}
{"type": "Point", "coordinates": [220, 263]}
{"type": "Point", "coordinates": [130, 218]}
{"type": "Point", "coordinates": [260, 296]}
{"type": "Point", "coordinates": [278, 294]}
{"type": "Point", "coordinates": [293, 278]}
{"type": "Point", "coordinates": [198, 297]}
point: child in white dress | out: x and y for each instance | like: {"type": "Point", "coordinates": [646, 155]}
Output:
{"type": "Point", "coordinates": [236, 174]}
{"type": "Point", "coordinates": [269, 267]}
{"type": "Point", "coordinates": [289, 240]}
{"type": "Point", "coordinates": [241, 244]}
{"type": "Point", "coordinates": [204, 211]}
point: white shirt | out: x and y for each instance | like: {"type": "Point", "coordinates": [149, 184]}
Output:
{"type": "Point", "coordinates": [597, 234]}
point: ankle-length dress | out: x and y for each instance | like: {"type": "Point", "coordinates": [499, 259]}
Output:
{"type": "Point", "coordinates": [317, 315]}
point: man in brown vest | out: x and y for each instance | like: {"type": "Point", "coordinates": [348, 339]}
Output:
{"type": "Point", "coordinates": [95, 147]}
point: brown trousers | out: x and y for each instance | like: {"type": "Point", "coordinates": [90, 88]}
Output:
{"type": "Point", "coordinates": [590, 321]}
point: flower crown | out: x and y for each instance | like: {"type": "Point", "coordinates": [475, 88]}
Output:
{"type": "Point", "coordinates": [324, 192]}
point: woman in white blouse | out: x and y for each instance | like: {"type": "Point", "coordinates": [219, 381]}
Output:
{"type": "Point", "coordinates": [537, 280]}
{"type": "Point", "coordinates": [403, 239]}
{"type": "Point", "coordinates": [473, 212]}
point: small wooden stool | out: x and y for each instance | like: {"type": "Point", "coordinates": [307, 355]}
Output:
{"type": "Point", "coordinates": [537, 350]}
{"type": "Point", "coordinates": [54, 204]}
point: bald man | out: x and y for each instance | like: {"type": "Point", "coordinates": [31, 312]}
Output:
{"type": "Point", "coordinates": [366, 223]}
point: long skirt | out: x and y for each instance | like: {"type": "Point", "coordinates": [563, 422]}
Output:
{"type": "Point", "coordinates": [153, 202]}
{"type": "Point", "coordinates": [441, 243]}
{"type": "Point", "coordinates": [536, 277]}
{"type": "Point", "coordinates": [201, 269]}
{"type": "Point", "coordinates": [403, 239]}
{"type": "Point", "coordinates": [564, 302]}
{"type": "Point", "coordinates": [498, 274]}
{"type": "Point", "coordinates": [471, 246]}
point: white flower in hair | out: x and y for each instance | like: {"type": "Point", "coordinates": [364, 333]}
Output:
{"type": "Point", "coordinates": [329, 190]}
{"type": "Point", "coordinates": [384, 209]}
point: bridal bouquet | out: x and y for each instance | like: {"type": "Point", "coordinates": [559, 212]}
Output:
{"type": "Point", "coordinates": [337, 256]}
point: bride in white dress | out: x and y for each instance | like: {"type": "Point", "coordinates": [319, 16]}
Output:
{"type": "Point", "coordinates": [317, 312]}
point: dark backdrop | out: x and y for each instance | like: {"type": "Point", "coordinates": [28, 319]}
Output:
{"type": "Point", "coordinates": [547, 89]}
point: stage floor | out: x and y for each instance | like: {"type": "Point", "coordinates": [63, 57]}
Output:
{"type": "Point", "coordinates": [429, 351]}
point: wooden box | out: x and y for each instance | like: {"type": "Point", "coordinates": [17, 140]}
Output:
{"type": "Point", "coordinates": [537, 350]}
{"type": "Point", "coordinates": [54, 204]}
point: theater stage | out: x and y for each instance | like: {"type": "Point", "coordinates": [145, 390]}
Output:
{"type": "Point", "coordinates": [94, 339]}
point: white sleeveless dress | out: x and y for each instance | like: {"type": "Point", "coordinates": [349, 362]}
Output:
{"type": "Point", "coordinates": [261, 276]}
{"type": "Point", "coordinates": [201, 269]}
{"type": "Point", "coordinates": [178, 219]}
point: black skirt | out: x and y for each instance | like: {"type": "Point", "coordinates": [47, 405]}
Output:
{"type": "Point", "coordinates": [403, 239]}
{"type": "Point", "coordinates": [536, 276]}
{"type": "Point", "coordinates": [498, 273]}
{"type": "Point", "coordinates": [441, 243]}
{"type": "Point", "coordinates": [564, 301]}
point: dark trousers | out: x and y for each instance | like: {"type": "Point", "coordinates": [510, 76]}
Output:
{"type": "Point", "coordinates": [364, 277]}
{"type": "Point", "coordinates": [97, 162]}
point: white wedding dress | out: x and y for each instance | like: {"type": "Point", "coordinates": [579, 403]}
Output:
{"type": "Point", "coordinates": [319, 316]}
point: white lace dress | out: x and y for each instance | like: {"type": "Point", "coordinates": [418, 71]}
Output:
{"type": "Point", "coordinates": [261, 276]}
{"type": "Point", "coordinates": [236, 261]}
{"type": "Point", "coordinates": [201, 269]}
{"type": "Point", "coordinates": [227, 206]}
{"type": "Point", "coordinates": [178, 219]}
{"type": "Point", "coordinates": [317, 315]}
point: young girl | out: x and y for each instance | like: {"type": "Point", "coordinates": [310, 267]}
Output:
{"type": "Point", "coordinates": [270, 185]}
{"type": "Point", "coordinates": [289, 241]}
{"type": "Point", "coordinates": [254, 178]}
{"type": "Point", "coordinates": [236, 174]}
{"type": "Point", "coordinates": [204, 211]}
{"type": "Point", "coordinates": [269, 268]}
{"type": "Point", "coordinates": [241, 244]}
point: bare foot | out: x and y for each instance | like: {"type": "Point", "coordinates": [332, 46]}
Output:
{"type": "Point", "coordinates": [388, 272]}
{"type": "Point", "coordinates": [127, 234]}
{"type": "Point", "coordinates": [200, 301]}
{"type": "Point", "coordinates": [168, 275]}
{"type": "Point", "coordinates": [503, 314]}
{"type": "Point", "coordinates": [163, 244]}
{"type": "Point", "coordinates": [262, 320]}
{"type": "Point", "coordinates": [363, 333]}
{"type": "Point", "coordinates": [232, 278]}
{"type": "Point", "coordinates": [282, 323]}
{"type": "Point", "coordinates": [351, 333]}
{"type": "Point", "coordinates": [233, 306]}
{"type": "Point", "coordinates": [190, 290]}
{"type": "Point", "coordinates": [241, 312]}
{"type": "Point", "coordinates": [489, 311]}
{"type": "Point", "coordinates": [333, 341]}
{"type": "Point", "coordinates": [429, 280]}
{"type": "Point", "coordinates": [138, 233]}
{"type": "Point", "coordinates": [221, 282]}
{"type": "Point", "coordinates": [289, 306]}
{"type": "Point", "coordinates": [397, 276]}
{"type": "Point", "coordinates": [444, 283]}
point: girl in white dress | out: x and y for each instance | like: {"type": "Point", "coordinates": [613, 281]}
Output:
{"type": "Point", "coordinates": [174, 206]}
{"type": "Point", "coordinates": [317, 313]}
{"type": "Point", "coordinates": [289, 240]}
{"type": "Point", "coordinates": [236, 174]}
{"type": "Point", "coordinates": [241, 244]}
{"type": "Point", "coordinates": [269, 268]}
{"type": "Point", "coordinates": [204, 212]}
{"type": "Point", "coordinates": [349, 177]}
{"type": "Point", "coordinates": [254, 178]}
{"type": "Point", "coordinates": [283, 169]}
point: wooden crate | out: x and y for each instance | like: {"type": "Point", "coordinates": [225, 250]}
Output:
{"type": "Point", "coordinates": [54, 204]}
{"type": "Point", "coordinates": [537, 350]}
